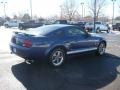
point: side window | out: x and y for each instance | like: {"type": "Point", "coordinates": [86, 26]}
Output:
{"type": "Point", "coordinates": [11, 21]}
{"type": "Point", "coordinates": [58, 33]}
{"type": "Point", "coordinates": [90, 23]}
{"type": "Point", "coordinates": [15, 21]}
{"type": "Point", "coordinates": [57, 22]}
{"type": "Point", "coordinates": [75, 32]}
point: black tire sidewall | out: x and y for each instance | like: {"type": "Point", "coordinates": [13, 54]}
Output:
{"type": "Point", "coordinates": [98, 53]}
{"type": "Point", "coordinates": [21, 28]}
{"type": "Point", "coordinates": [98, 30]}
{"type": "Point", "coordinates": [108, 31]}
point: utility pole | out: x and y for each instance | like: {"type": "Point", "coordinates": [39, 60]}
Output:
{"type": "Point", "coordinates": [31, 8]}
{"type": "Point", "coordinates": [94, 16]}
{"type": "Point", "coordinates": [4, 8]}
{"type": "Point", "coordinates": [61, 16]}
{"type": "Point", "coordinates": [113, 11]}
{"type": "Point", "coordinates": [82, 9]}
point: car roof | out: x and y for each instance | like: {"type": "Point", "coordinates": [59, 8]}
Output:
{"type": "Point", "coordinates": [48, 28]}
{"type": "Point", "coordinates": [59, 25]}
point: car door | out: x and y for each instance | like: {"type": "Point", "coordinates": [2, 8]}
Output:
{"type": "Point", "coordinates": [79, 40]}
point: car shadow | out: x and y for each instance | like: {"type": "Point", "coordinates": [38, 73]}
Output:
{"type": "Point", "coordinates": [85, 72]}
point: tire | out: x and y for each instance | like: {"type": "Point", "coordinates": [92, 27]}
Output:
{"type": "Point", "coordinates": [101, 49]}
{"type": "Point", "coordinates": [97, 30]}
{"type": "Point", "coordinates": [108, 31]}
{"type": "Point", "coordinates": [21, 28]}
{"type": "Point", "coordinates": [57, 57]}
{"type": "Point", "coordinates": [6, 25]}
{"type": "Point", "coordinates": [119, 29]}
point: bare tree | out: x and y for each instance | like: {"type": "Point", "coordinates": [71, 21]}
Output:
{"type": "Point", "coordinates": [69, 8]}
{"type": "Point", "coordinates": [26, 17]}
{"type": "Point", "coordinates": [100, 5]}
{"type": "Point", "coordinates": [15, 17]}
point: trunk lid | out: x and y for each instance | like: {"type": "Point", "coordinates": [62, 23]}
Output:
{"type": "Point", "coordinates": [24, 38]}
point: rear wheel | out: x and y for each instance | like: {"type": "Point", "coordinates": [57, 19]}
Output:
{"type": "Point", "coordinates": [57, 57]}
{"type": "Point", "coordinates": [20, 27]}
{"type": "Point", "coordinates": [108, 31]}
{"type": "Point", "coordinates": [101, 49]}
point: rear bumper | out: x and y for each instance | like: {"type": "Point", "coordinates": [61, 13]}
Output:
{"type": "Point", "coordinates": [28, 53]}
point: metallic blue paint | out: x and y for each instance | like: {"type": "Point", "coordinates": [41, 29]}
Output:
{"type": "Point", "coordinates": [43, 44]}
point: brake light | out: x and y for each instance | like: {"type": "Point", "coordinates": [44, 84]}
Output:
{"type": "Point", "coordinates": [27, 43]}
{"type": "Point", "coordinates": [13, 39]}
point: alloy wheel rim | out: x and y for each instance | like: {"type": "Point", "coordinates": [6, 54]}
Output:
{"type": "Point", "coordinates": [57, 58]}
{"type": "Point", "coordinates": [102, 49]}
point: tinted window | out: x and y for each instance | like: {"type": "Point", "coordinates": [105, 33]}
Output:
{"type": "Point", "coordinates": [57, 33]}
{"type": "Point", "coordinates": [97, 22]}
{"type": "Point", "coordinates": [11, 21]}
{"type": "Point", "coordinates": [75, 32]}
{"type": "Point", "coordinates": [43, 30]}
{"type": "Point", "coordinates": [90, 23]}
{"type": "Point", "coordinates": [15, 21]}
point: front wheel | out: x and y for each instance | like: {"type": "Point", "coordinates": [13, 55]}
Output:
{"type": "Point", "coordinates": [57, 57]}
{"type": "Point", "coordinates": [101, 49]}
{"type": "Point", "coordinates": [20, 27]}
{"type": "Point", "coordinates": [108, 31]}
{"type": "Point", "coordinates": [98, 30]}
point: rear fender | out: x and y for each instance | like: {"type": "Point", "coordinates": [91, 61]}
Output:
{"type": "Point", "coordinates": [48, 51]}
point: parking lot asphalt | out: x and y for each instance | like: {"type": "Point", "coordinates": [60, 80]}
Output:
{"type": "Point", "coordinates": [82, 72]}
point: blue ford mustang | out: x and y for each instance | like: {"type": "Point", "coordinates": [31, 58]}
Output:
{"type": "Point", "coordinates": [54, 43]}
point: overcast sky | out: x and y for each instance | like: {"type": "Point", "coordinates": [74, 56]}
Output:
{"type": "Point", "coordinates": [47, 8]}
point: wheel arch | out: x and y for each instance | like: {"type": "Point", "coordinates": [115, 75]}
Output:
{"type": "Point", "coordinates": [47, 53]}
{"type": "Point", "coordinates": [103, 41]}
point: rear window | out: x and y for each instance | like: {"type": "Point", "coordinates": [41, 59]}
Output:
{"type": "Point", "coordinates": [97, 22]}
{"type": "Point", "coordinates": [44, 30]}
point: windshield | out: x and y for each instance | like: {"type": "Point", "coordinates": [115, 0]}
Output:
{"type": "Point", "coordinates": [97, 22]}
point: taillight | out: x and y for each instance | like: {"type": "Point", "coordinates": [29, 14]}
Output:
{"type": "Point", "coordinates": [27, 43]}
{"type": "Point", "coordinates": [13, 39]}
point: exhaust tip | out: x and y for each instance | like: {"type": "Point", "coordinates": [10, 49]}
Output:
{"type": "Point", "coordinates": [29, 61]}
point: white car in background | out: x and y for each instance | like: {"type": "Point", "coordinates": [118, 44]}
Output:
{"type": "Point", "coordinates": [12, 23]}
{"type": "Point", "coordinates": [99, 26]}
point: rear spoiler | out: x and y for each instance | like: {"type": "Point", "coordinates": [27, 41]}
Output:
{"type": "Point", "coordinates": [22, 33]}
{"type": "Point", "coordinates": [16, 32]}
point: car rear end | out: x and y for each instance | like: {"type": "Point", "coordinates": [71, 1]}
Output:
{"type": "Point", "coordinates": [27, 46]}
